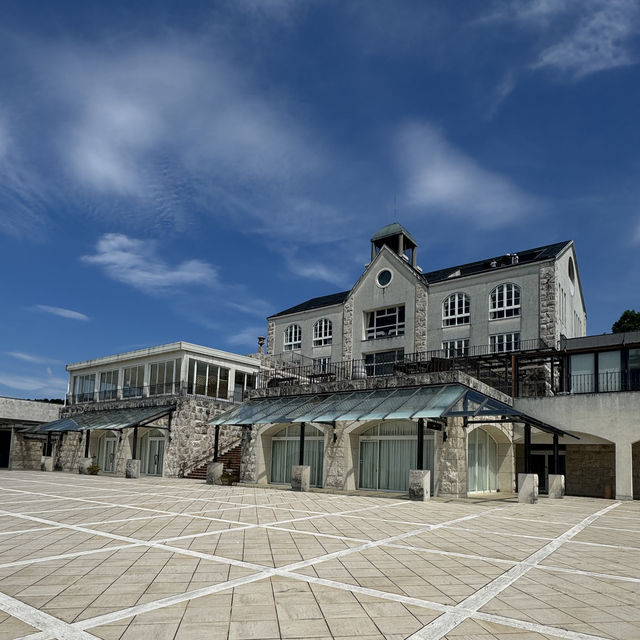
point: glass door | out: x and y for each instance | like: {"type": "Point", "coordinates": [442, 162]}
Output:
{"type": "Point", "coordinates": [155, 456]}
{"type": "Point", "coordinates": [368, 464]}
{"type": "Point", "coordinates": [108, 454]}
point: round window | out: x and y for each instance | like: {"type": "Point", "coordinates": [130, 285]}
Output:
{"type": "Point", "coordinates": [384, 277]}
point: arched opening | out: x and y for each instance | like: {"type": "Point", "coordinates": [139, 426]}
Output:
{"type": "Point", "coordinates": [285, 453]}
{"type": "Point", "coordinates": [482, 462]}
{"type": "Point", "coordinates": [107, 452]}
{"type": "Point", "coordinates": [387, 451]}
{"type": "Point", "coordinates": [152, 453]}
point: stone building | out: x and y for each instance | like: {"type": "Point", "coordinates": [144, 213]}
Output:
{"type": "Point", "coordinates": [151, 405]}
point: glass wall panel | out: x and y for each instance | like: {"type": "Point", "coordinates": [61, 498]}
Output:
{"type": "Point", "coordinates": [109, 385]}
{"type": "Point", "coordinates": [164, 377]}
{"type": "Point", "coordinates": [285, 453]}
{"type": "Point", "coordinates": [634, 369]}
{"type": "Point", "coordinates": [83, 387]}
{"type": "Point", "coordinates": [133, 380]}
{"type": "Point", "coordinates": [482, 462]}
{"type": "Point", "coordinates": [208, 379]}
{"type": "Point", "coordinates": [609, 371]}
{"type": "Point", "coordinates": [582, 373]}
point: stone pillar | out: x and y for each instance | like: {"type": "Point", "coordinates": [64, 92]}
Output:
{"type": "Point", "coordinates": [300, 477]}
{"type": "Point", "coordinates": [624, 471]}
{"type": "Point", "coordinates": [419, 484]}
{"type": "Point", "coordinates": [83, 465]}
{"type": "Point", "coordinates": [556, 485]}
{"type": "Point", "coordinates": [46, 463]}
{"type": "Point", "coordinates": [453, 461]}
{"type": "Point", "coordinates": [248, 461]}
{"type": "Point", "coordinates": [214, 472]}
{"type": "Point", "coordinates": [528, 488]}
{"type": "Point", "coordinates": [132, 469]}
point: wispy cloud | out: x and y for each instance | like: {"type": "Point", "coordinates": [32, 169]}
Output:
{"type": "Point", "coordinates": [27, 357]}
{"type": "Point", "coordinates": [41, 385]}
{"type": "Point", "coordinates": [601, 40]}
{"type": "Point", "coordinates": [440, 178]}
{"type": "Point", "coordinates": [62, 312]}
{"type": "Point", "coordinates": [136, 263]}
{"type": "Point", "coordinates": [251, 306]}
{"type": "Point", "coordinates": [247, 337]}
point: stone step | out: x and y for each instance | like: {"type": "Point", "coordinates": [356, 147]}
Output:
{"type": "Point", "coordinates": [230, 460]}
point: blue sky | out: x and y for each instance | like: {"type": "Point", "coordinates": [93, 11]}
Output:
{"type": "Point", "coordinates": [179, 171]}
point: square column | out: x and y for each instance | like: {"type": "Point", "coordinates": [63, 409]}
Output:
{"type": "Point", "coordinates": [419, 485]}
{"type": "Point", "coordinates": [300, 477]}
{"type": "Point", "coordinates": [214, 472]}
{"type": "Point", "coordinates": [556, 485]}
{"type": "Point", "coordinates": [528, 488]}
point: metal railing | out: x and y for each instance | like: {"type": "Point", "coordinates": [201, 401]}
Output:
{"type": "Point", "coordinates": [152, 391]}
{"type": "Point", "coordinates": [479, 361]}
{"type": "Point", "coordinates": [604, 382]}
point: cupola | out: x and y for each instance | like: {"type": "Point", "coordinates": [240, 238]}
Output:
{"type": "Point", "coordinates": [398, 239]}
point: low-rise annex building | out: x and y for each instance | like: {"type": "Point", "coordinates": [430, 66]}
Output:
{"type": "Point", "coordinates": [151, 405]}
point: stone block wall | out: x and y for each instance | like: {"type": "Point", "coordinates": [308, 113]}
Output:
{"type": "Point", "coordinates": [347, 329]}
{"type": "Point", "coordinates": [249, 460]}
{"type": "Point", "coordinates": [452, 477]}
{"type": "Point", "coordinates": [420, 330]}
{"type": "Point", "coordinates": [26, 452]}
{"type": "Point", "coordinates": [590, 470]}
{"type": "Point", "coordinates": [549, 328]}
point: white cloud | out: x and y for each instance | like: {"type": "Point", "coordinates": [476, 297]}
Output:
{"type": "Point", "coordinates": [45, 386]}
{"type": "Point", "coordinates": [62, 312]}
{"type": "Point", "coordinates": [136, 263]}
{"type": "Point", "coordinates": [251, 306]}
{"type": "Point", "coordinates": [601, 40]}
{"type": "Point", "coordinates": [26, 357]}
{"type": "Point", "coordinates": [247, 337]}
{"type": "Point", "coordinates": [441, 179]}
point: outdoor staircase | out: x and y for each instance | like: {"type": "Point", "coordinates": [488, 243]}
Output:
{"type": "Point", "coordinates": [230, 461]}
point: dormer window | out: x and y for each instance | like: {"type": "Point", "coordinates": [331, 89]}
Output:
{"type": "Point", "coordinates": [385, 323]}
{"type": "Point", "coordinates": [292, 337]}
{"type": "Point", "coordinates": [456, 310]}
{"type": "Point", "coordinates": [504, 301]}
{"type": "Point", "coordinates": [322, 332]}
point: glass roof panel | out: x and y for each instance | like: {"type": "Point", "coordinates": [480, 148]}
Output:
{"type": "Point", "coordinates": [282, 411]}
{"type": "Point", "coordinates": [300, 411]}
{"type": "Point", "coordinates": [420, 401]}
{"type": "Point", "coordinates": [342, 404]}
{"type": "Point", "coordinates": [379, 404]}
{"type": "Point", "coordinates": [441, 402]}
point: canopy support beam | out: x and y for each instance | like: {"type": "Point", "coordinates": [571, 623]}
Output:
{"type": "Point", "coordinates": [301, 456]}
{"type": "Point", "coordinates": [527, 448]}
{"type": "Point", "coordinates": [216, 443]}
{"type": "Point", "coordinates": [420, 464]}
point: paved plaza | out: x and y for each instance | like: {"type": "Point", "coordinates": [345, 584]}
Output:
{"type": "Point", "coordinates": [85, 557]}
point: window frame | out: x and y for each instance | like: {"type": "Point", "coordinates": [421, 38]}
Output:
{"type": "Point", "coordinates": [373, 328]}
{"type": "Point", "coordinates": [456, 318]}
{"type": "Point", "coordinates": [452, 348]}
{"type": "Point", "coordinates": [509, 338]}
{"type": "Point", "coordinates": [506, 310]}
{"type": "Point", "coordinates": [322, 333]}
{"type": "Point", "coordinates": [292, 338]}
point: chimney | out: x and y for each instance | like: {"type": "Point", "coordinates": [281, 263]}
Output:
{"type": "Point", "coordinates": [260, 344]}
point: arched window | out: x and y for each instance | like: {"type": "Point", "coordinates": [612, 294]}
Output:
{"type": "Point", "coordinates": [292, 337]}
{"type": "Point", "coordinates": [322, 332]}
{"type": "Point", "coordinates": [456, 309]}
{"type": "Point", "coordinates": [482, 462]}
{"type": "Point", "coordinates": [504, 301]}
{"type": "Point", "coordinates": [285, 452]}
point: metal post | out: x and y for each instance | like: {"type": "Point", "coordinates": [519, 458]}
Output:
{"type": "Point", "coordinates": [216, 442]}
{"type": "Point", "coordinates": [420, 443]}
{"type": "Point", "coordinates": [301, 457]}
{"type": "Point", "coordinates": [556, 454]}
{"type": "Point", "coordinates": [87, 436]}
{"type": "Point", "coordinates": [527, 448]}
{"type": "Point", "coordinates": [134, 452]}
{"type": "Point", "coordinates": [49, 444]}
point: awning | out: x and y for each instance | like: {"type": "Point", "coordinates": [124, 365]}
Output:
{"type": "Point", "coordinates": [110, 419]}
{"type": "Point", "coordinates": [435, 401]}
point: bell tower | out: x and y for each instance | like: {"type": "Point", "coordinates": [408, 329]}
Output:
{"type": "Point", "coordinates": [399, 240]}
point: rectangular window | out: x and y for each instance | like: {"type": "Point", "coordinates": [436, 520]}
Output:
{"type": "Point", "coordinates": [384, 323]}
{"type": "Point", "coordinates": [582, 373]}
{"type": "Point", "coordinates": [109, 385]}
{"type": "Point", "coordinates": [83, 387]}
{"type": "Point", "coordinates": [504, 342]}
{"type": "Point", "coordinates": [208, 379]}
{"type": "Point", "coordinates": [133, 381]}
{"type": "Point", "coordinates": [321, 365]}
{"type": "Point", "coordinates": [243, 383]}
{"type": "Point", "coordinates": [456, 348]}
{"type": "Point", "coordinates": [634, 369]}
{"type": "Point", "coordinates": [609, 371]}
{"type": "Point", "coordinates": [382, 363]}
{"type": "Point", "coordinates": [164, 377]}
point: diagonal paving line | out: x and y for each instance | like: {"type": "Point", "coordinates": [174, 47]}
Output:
{"type": "Point", "coordinates": [449, 621]}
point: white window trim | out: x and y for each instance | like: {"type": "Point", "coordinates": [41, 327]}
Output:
{"type": "Point", "coordinates": [293, 338]}
{"type": "Point", "coordinates": [456, 317]}
{"type": "Point", "coordinates": [322, 333]}
{"type": "Point", "coordinates": [388, 331]}
{"type": "Point", "coordinates": [459, 346]}
{"type": "Point", "coordinates": [502, 310]}
{"type": "Point", "coordinates": [512, 338]}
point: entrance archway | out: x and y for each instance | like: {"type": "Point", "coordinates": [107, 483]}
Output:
{"type": "Point", "coordinates": [152, 449]}
{"type": "Point", "coordinates": [482, 462]}
{"type": "Point", "coordinates": [285, 452]}
{"type": "Point", "coordinates": [387, 451]}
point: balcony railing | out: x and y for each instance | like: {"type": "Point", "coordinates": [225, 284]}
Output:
{"type": "Point", "coordinates": [478, 361]}
{"type": "Point", "coordinates": [150, 391]}
{"type": "Point", "coordinates": [604, 382]}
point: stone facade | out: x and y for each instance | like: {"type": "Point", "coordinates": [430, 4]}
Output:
{"type": "Point", "coordinates": [271, 337]}
{"type": "Point", "coordinates": [548, 307]}
{"type": "Point", "coordinates": [248, 463]}
{"type": "Point", "coordinates": [591, 470]}
{"type": "Point", "coordinates": [451, 481]}
{"type": "Point", "coordinates": [420, 343]}
{"type": "Point", "coordinates": [347, 329]}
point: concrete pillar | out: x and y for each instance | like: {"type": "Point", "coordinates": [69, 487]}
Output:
{"type": "Point", "coordinates": [214, 472]}
{"type": "Point", "coordinates": [84, 464]}
{"type": "Point", "coordinates": [132, 469]}
{"type": "Point", "coordinates": [556, 485]}
{"type": "Point", "coordinates": [528, 488]}
{"type": "Point", "coordinates": [419, 484]}
{"type": "Point", "coordinates": [624, 471]}
{"type": "Point", "coordinates": [46, 463]}
{"type": "Point", "coordinates": [300, 477]}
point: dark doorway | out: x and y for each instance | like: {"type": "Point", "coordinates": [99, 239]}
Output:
{"type": "Point", "coordinates": [542, 464]}
{"type": "Point", "coordinates": [5, 448]}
